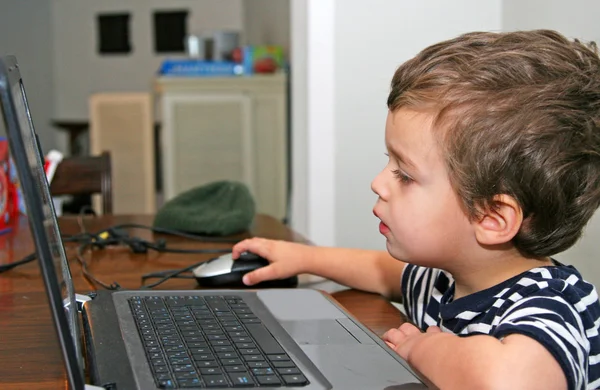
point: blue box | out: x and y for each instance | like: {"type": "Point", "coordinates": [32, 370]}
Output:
{"type": "Point", "coordinates": [192, 67]}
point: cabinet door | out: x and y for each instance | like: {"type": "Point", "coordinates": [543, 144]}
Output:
{"type": "Point", "coordinates": [206, 137]}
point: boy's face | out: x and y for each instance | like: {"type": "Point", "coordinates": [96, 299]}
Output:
{"type": "Point", "coordinates": [420, 214]}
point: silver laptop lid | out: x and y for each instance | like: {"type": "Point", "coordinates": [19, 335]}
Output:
{"type": "Point", "coordinates": [26, 154]}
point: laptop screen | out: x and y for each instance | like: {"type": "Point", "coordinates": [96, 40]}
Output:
{"type": "Point", "coordinates": [32, 151]}
{"type": "Point", "coordinates": [26, 154]}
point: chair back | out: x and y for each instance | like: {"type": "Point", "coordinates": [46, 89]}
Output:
{"type": "Point", "coordinates": [85, 175]}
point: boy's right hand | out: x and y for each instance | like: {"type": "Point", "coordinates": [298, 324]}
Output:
{"type": "Point", "coordinates": [286, 258]}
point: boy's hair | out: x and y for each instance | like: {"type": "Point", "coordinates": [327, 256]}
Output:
{"type": "Point", "coordinates": [519, 114]}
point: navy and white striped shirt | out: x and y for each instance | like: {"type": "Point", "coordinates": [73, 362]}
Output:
{"type": "Point", "coordinates": [552, 305]}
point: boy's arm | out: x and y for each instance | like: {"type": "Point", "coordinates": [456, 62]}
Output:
{"type": "Point", "coordinates": [367, 270]}
{"type": "Point", "coordinates": [477, 362]}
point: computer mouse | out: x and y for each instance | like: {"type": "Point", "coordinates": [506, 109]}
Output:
{"type": "Point", "coordinates": [224, 272]}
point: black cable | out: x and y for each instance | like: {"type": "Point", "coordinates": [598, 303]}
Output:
{"type": "Point", "coordinates": [157, 248]}
{"type": "Point", "coordinates": [88, 275]}
{"type": "Point", "coordinates": [25, 260]}
{"type": "Point", "coordinates": [172, 275]}
{"type": "Point", "coordinates": [161, 274]}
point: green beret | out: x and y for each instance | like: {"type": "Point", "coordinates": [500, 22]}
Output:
{"type": "Point", "coordinates": [218, 208]}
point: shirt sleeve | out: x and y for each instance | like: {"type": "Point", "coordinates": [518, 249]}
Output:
{"type": "Point", "coordinates": [550, 320]}
{"type": "Point", "coordinates": [419, 286]}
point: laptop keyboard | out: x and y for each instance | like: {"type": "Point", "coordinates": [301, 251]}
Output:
{"type": "Point", "coordinates": [210, 341]}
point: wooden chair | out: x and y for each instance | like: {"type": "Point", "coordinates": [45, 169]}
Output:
{"type": "Point", "coordinates": [85, 175]}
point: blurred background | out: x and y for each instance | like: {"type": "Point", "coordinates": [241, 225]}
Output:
{"type": "Point", "coordinates": [306, 135]}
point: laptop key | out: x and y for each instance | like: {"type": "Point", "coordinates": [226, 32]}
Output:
{"type": "Point", "coordinates": [253, 358]}
{"type": "Point", "coordinates": [231, 362]}
{"type": "Point", "coordinates": [206, 363]}
{"type": "Point", "coordinates": [184, 368]}
{"type": "Point", "coordinates": [241, 379]}
{"type": "Point", "coordinates": [215, 381]}
{"type": "Point", "coordinates": [278, 358]}
{"type": "Point", "coordinates": [180, 361]}
{"type": "Point", "coordinates": [235, 368]}
{"type": "Point", "coordinates": [227, 355]}
{"type": "Point", "coordinates": [225, 348]}
{"type": "Point", "coordinates": [158, 362]}
{"type": "Point", "coordinates": [194, 382]}
{"type": "Point", "coordinates": [203, 356]}
{"type": "Point", "coordinates": [163, 376]}
{"type": "Point", "coordinates": [200, 351]}
{"type": "Point", "coordinates": [294, 379]}
{"type": "Point", "coordinates": [245, 345]}
{"type": "Point", "coordinates": [186, 375]}
{"type": "Point", "coordinates": [214, 331]}
{"type": "Point", "coordinates": [268, 380]}
{"type": "Point", "coordinates": [258, 364]}
{"type": "Point", "coordinates": [288, 371]}
{"type": "Point", "coordinates": [284, 364]}
{"type": "Point", "coordinates": [264, 371]}
{"type": "Point", "coordinates": [251, 321]}
{"type": "Point", "coordinates": [210, 370]}
{"type": "Point", "coordinates": [167, 384]}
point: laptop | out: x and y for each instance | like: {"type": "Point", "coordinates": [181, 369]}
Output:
{"type": "Point", "coordinates": [193, 339]}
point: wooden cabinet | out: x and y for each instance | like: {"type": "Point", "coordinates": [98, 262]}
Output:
{"type": "Point", "coordinates": [226, 128]}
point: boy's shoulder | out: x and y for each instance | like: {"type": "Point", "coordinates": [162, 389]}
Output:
{"type": "Point", "coordinates": [560, 279]}
{"type": "Point", "coordinates": [557, 283]}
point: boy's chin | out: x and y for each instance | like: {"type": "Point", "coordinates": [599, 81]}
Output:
{"type": "Point", "coordinates": [396, 252]}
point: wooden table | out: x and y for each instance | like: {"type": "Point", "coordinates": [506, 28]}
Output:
{"type": "Point", "coordinates": [29, 351]}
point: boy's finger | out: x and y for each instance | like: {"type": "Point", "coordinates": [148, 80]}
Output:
{"type": "Point", "coordinates": [434, 329]}
{"type": "Point", "coordinates": [394, 336]}
{"type": "Point", "coordinates": [257, 246]}
{"type": "Point", "coordinates": [259, 275]}
{"type": "Point", "coordinates": [409, 329]}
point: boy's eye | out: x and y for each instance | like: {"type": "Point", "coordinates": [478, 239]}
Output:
{"type": "Point", "coordinates": [404, 178]}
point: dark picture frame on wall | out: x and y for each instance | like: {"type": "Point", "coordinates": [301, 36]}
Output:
{"type": "Point", "coordinates": [170, 30]}
{"type": "Point", "coordinates": [113, 33]}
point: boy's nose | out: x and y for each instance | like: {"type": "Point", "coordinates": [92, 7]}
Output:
{"type": "Point", "coordinates": [378, 185]}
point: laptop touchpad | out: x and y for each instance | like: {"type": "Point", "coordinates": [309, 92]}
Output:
{"type": "Point", "coordinates": [318, 332]}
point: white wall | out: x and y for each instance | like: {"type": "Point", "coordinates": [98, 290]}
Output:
{"type": "Point", "coordinates": [575, 19]}
{"type": "Point", "coordinates": [80, 71]}
{"type": "Point", "coordinates": [26, 31]}
{"type": "Point", "coordinates": [299, 138]}
{"type": "Point", "coordinates": [358, 44]}
{"type": "Point", "coordinates": [267, 22]}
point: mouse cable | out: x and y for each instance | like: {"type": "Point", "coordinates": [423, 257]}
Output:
{"type": "Point", "coordinates": [173, 274]}
{"type": "Point", "coordinates": [162, 274]}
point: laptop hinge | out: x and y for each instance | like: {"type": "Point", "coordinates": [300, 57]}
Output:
{"type": "Point", "coordinates": [81, 299]}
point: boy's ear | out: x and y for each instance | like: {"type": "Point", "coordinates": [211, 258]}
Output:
{"type": "Point", "coordinates": [500, 222]}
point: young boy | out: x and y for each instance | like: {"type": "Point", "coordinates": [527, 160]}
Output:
{"type": "Point", "coordinates": [494, 166]}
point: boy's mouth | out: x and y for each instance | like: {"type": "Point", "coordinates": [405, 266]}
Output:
{"type": "Point", "coordinates": [383, 228]}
